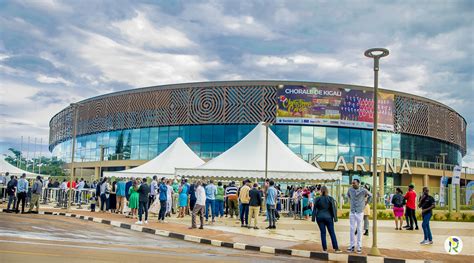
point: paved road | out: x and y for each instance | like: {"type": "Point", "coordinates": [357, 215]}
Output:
{"type": "Point", "coordinates": [42, 238]}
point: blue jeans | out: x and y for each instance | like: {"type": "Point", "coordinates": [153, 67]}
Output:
{"type": "Point", "coordinates": [219, 207]}
{"type": "Point", "coordinates": [210, 203]}
{"type": "Point", "coordinates": [271, 215]}
{"type": "Point", "coordinates": [104, 201]}
{"type": "Point", "coordinates": [426, 226]}
{"type": "Point", "coordinates": [244, 215]}
{"type": "Point", "coordinates": [328, 223]}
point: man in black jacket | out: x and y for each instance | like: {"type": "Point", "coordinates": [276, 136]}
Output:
{"type": "Point", "coordinates": [254, 204]}
{"type": "Point", "coordinates": [144, 192]}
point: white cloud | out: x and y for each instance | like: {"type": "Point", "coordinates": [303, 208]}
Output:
{"type": "Point", "coordinates": [53, 80]}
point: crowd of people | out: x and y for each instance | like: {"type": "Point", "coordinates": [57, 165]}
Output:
{"type": "Point", "coordinates": [134, 198]}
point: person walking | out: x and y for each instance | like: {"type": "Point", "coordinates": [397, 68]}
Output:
{"type": "Point", "coordinates": [244, 201]}
{"type": "Point", "coordinates": [271, 199]}
{"type": "Point", "coordinates": [427, 203]}
{"type": "Point", "coordinates": [22, 190]}
{"type": "Point", "coordinates": [232, 199]}
{"type": "Point", "coordinates": [410, 198]}
{"type": "Point", "coordinates": [163, 196]}
{"type": "Point", "coordinates": [120, 195]}
{"type": "Point", "coordinates": [325, 214]}
{"type": "Point", "coordinates": [199, 206]}
{"type": "Point", "coordinates": [36, 192]}
{"type": "Point", "coordinates": [11, 192]}
{"type": "Point", "coordinates": [220, 200]}
{"type": "Point", "coordinates": [358, 197]}
{"type": "Point", "coordinates": [134, 198]}
{"type": "Point", "coordinates": [398, 202]}
{"type": "Point", "coordinates": [143, 195]}
{"type": "Point", "coordinates": [211, 191]}
{"type": "Point", "coordinates": [255, 202]}
{"type": "Point", "coordinates": [183, 198]}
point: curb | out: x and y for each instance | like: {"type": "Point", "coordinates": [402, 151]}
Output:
{"type": "Point", "coordinates": [240, 246]}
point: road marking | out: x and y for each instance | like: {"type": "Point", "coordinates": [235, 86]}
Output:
{"type": "Point", "coordinates": [28, 253]}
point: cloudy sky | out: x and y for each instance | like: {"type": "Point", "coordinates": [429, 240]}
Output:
{"type": "Point", "coordinates": [53, 52]}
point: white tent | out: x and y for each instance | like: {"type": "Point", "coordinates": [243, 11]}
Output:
{"type": "Point", "coordinates": [178, 154]}
{"type": "Point", "coordinates": [13, 170]}
{"type": "Point", "coordinates": [246, 159]}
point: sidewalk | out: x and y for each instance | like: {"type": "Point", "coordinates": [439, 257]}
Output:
{"type": "Point", "coordinates": [302, 235]}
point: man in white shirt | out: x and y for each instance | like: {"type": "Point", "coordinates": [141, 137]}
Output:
{"type": "Point", "coordinates": [169, 196]}
{"type": "Point", "coordinates": [200, 205]}
{"type": "Point", "coordinates": [45, 190]}
{"type": "Point", "coordinates": [63, 194]}
{"type": "Point", "coordinates": [153, 191]}
{"type": "Point", "coordinates": [79, 189]}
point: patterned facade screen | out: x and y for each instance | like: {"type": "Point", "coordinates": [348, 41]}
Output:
{"type": "Point", "coordinates": [238, 104]}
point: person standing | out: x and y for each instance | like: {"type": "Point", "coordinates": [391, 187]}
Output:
{"type": "Point", "coordinates": [113, 197]}
{"type": "Point", "coordinates": [220, 200]}
{"type": "Point", "coordinates": [398, 201]}
{"type": "Point", "coordinates": [427, 203]}
{"type": "Point", "coordinates": [21, 193]}
{"type": "Point", "coordinates": [169, 198]}
{"type": "Point", "coordinates": [11, 192]}
{"type": "Point", "coordinates": [104, 193]}
{"type": "Point", "coordinates": [358, 197]}
{"type": "Point", "coordinates": [80, 188]}
{"type": "Point", "coordinates": [271, 199]}
{"type": "Point", "coordinates": [410, 198]}
{"type": "Point", "coordinates": [36, 192]}
{"type": "Point", "coordinates": [232, 203]}
{"type": "Point", "coordinates": [254, 204]}
{"type": "Point", "coordinates": [325, 211]}
{"type": "Point", "coordinates": [211, 191]}
{"type": "Point", "coordinates": [120, 195]}
{"type": "Point", "coordinates": [244, 200]}
{"type": "Point", "coordinates": [153, 191]}
{"type": "Point", "coordinates": [143, 192]}
{"type": "Point", "coordinates": [199, 206]}
{"type": "Point", "coordinates": [63, 194]}
{"type": "Point", "coordinates": [163, 196]}
{"type": "Point", "coordinates": [192, 197]}
{"type": "Point", "coordinates": [183, 198]}
{"type": "Point", "coordinates": [134, 198]}
{"type": "Point", "coordinates": [366, 214]}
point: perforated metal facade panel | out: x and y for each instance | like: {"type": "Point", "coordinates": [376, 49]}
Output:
{"type": "Point", "coordinates": [239, 102]}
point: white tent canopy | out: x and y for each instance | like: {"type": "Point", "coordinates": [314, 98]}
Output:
{"type": "Point", "coordinates": [246, 159]}
{"type": "Point", "coordinates": [178, 154]}
{"type": "Point", "coordinates": [13, 170]}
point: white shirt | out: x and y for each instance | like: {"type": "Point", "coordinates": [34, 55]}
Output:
{"type": "Point", "coordinates": [169, 192]}
{"type": "Point", "coordinates": [63, 186]}
{"type": "Point", "coordinates": [80, 186]}
{"type": "Point", "coordinates": [200, 196]}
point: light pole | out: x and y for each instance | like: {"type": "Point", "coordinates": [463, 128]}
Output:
{"type": "Point", "coordinates": [267, 126]}
{"type": "Point", "coordinates": [465, 176]}
{"type": "Point", "coordinates": [75, 108]}
{"type": "Point", "coordinates": [376, 54]}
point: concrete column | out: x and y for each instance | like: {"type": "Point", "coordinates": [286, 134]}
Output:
{"type": "Point", "coordinates": [97, 172]}
{"type": "Point", "coordinates": [426, 180]}
{"type": "Point", "coordinates": [381, 184]}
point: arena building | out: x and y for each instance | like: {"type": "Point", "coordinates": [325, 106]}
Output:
{"type": "Point", "coordinates": [326, 124]}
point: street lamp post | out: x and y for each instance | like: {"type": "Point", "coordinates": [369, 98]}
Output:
{"type": "Point", "coordinates": [267, 125]}
{"type": "Point", "coordinates": [75, 108]}
{"type": "Point", "coordinates": [376, 54]}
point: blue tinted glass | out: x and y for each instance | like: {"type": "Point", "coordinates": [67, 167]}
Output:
{"type": "Point", "coordinates": [244, 129]}
{"type": "Point", "coordinates": [173, 134]}
{"type": "Point", "coordinates": [386, 141]}
{"type": "Point", "coordinates": [218, 148]}
{"type": "Point", "coordinates": [143, 152]}
{"type": "Point", "coordinates": [231, 133]}
{"type": "Point", "coordinates": [196, 147]}
{"type": "Point", "coordinates": [319, 149]}
{"type": "Point", "coordinates": [153, 135]}
{"type": "Point", "coordinates": [206, 133]}
{"type": "Point", "coordinates": [294, 134]}
{"type": "Point", "coordinates": [355, 151]}
{"type": "Point", "coordinates": [206, 147]}
{"type": "Point", "coordinates": [281, 131]}
{"type": "Point", "coordinates": [218, 133]}
{"type": "Point", "coordinates": [344, 136]}
{"type": "Point", "coordinates": [319, 135]}
{"type": "Point", "coordinates": [184, 133]}
{"type": "Point", "coordinates": [356, 137]}
{"type": "Point", "coordinates": [135, 136]}
{"type": "Point", "coordinates": [307, 151]}
{"type": "Point", "coordinates": [295, 148]}
{"type": "Point", "coordinates": [306, 135]}
{"type": "Point", "coordinates": [331, 136]}
{"type": "Point", "coordinates": [195, 133]}
{"type": "Point", "coordinates": [144, 136]}
{"type": "Point", "coordinates": [396, 142]}
{"type": "Point", "coordinates": [135, 155]}
{"type": "Point", "coordinates": [163, 135]}
{"type": "Point", "coordinates": [366, 137]}
{"type": "Point", "coordinates": [162, 147]}
{"type": "Point", "coordinates": [152, 151]}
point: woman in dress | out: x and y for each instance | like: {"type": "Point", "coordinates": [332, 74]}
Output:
{"type": "Point", "coordinates": [183, 198]}
{"type": "Point", "coordinates": [134, 197]}
{"type": "Point", "coordinates": [112, 198]}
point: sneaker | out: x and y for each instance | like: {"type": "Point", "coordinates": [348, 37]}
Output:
{"type": "Point", "coordinates": [359, 250]}
{"type": "Point", "coordinates": [325, 251]}
{"type": "Point", "coordinates": [146, 222]}
{"type": "Point", "coordinates": [429, 243]}
{"type": "Point", "coordinates": [268, 227]}
{"type": "Point", "coordinates": [350, 249]}
{"type": "Point", "coordinates": [139, 223]}
{"type": "Point", "coordinates": [410, 228]}
{"type": "Point", "coordinates": [201, 227]}
{"type": "Point", "coordinates": [423, 242]}
{"type": "Point", "coordinates": [337, 251]}
{"type": "Point", "coordinates": [406, 227]}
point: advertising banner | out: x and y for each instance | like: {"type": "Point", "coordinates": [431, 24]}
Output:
{"type": "Point", "coordinates": [469, 191]}
{"type": "Point", "coordinates": [333, 106]}
{"type": "Point", "coordinates": [456, 175]}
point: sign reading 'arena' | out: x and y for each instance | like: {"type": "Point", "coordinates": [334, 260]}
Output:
{"type": "Point", "coordinates": [333, 106]}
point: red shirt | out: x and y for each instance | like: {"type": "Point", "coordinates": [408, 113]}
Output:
{"type": "Point", "coordinates": [69, 184]}
{"type": "Point", "coordinates": [410, 196]}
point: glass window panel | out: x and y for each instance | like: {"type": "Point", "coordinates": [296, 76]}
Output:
{"type": "Point", "coordinates": [331, 150]}
{"type": "Point", "coordinates": [152, 151]}
{"type": "Point", "coordinates": [135, 136]}
{"type": "Point", "coordinates": [163, 135]}
{"type": "Point", "coordinates": [307, 151]}
{"type": "Point", "coordinates": [244, 130]}
{"type": "Point", "coordinates": [356, 137]}
{"type": "Point", "coordinates": [206, 133]}
{"type": "Point", "coordinates": [195, 133]}
{"type": "Point", "coordinates": [184, 133]}
{"type": "Point", "coordinates": [196, 147]}
{"type": "Point", "coordinates": [306, 135]}
{"type": "Point", "coordinates": [231, 133]}
{"type": "Point", "coordinates": [135, 152]}
{"type": "Point", "coordinates": [295, 148]}
{"type": "Point", "coordinates": [354, 151]}
{"type": "Point", "coordinates": [206, 147]}
{"type": "Point", "coordinates": [281, 131]}
{"type": "Point", "coordinates": [319, 149]}
{"type": "Point", "coordinates": [162, 147]}
{"type": "Point", "coordinates": [294, 134]}
{"type": "Point", "coordinates": [331, 136]}
{"type": "Point", "coordinates": [218, 133]}
{"type": "Point", "coordinates": [153, 135]}
{"type": "Point", "coordinates": [344, 136]}
{"type": "Point", "coordinates": [144, 136]}
{"type": "Point", "coordinates": [173, 134]}
{"type": "Point", "coordinates": [396, 142]}
{"type": "Point", "coordinates": [319, 135]}
{"type": "Point", "coordinates": [218, 148]}
{"type": "Point", "coordinates": [386, 141]}
{"type": "Point", "coordinates": [366, 137]}
{"type": "Point", "coordinates": [143, 152]}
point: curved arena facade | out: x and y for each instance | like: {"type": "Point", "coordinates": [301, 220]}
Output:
{"type": "Point", "coordinates": [319, 121]}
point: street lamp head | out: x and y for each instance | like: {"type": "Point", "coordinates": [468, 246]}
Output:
{"type": "Point", "coordinates": [376, 52]}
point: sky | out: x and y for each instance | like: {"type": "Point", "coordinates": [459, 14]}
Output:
{"type": "Point", "coordinates": [53, 53]}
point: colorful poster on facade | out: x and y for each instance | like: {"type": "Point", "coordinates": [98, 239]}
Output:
{"type": "Point", "coordinates": [333, 106]}
{"type": "Point", "coordinates": [456, 175]}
